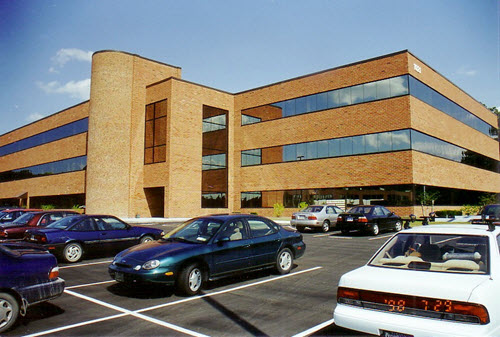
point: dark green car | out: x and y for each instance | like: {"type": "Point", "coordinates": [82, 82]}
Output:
{"type": "Point", "coordinates": [209, 248]}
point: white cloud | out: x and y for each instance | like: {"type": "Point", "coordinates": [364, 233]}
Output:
{"type": "Point", "coordinates": [34, 117]}
{"type": "Point", "coordinates": [65, 55]}
{"type": "Point", "coordinates": [466, 71]}
{"type": "Point", "coordinates": [76, 89]}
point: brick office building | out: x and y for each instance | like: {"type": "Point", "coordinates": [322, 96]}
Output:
{"type": "Point", "coordinates": [385, 130]}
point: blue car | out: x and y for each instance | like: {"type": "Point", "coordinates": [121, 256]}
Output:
{"type": "Point", "coordinates": [28, 275]}
{"type": "Point", "coordinates": [71, 237]}
{"type": "Point", "coordinates": [208, 248]}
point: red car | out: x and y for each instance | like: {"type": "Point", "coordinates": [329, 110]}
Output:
{"type": "Point", "coordinates": [12, 214]}
{"type": "Point", "coordinates": [16, 229]}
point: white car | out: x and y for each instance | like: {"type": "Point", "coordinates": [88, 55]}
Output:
{"type": "Point", "coordinates": [316, 216]}
{"type": "Point", "coordinates": [441, 280]}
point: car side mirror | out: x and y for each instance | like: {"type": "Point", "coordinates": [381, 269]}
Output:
{"type": "Point", "coordinates": [221, 241]}
{"type": "Point", "coordinates": [391, 214]}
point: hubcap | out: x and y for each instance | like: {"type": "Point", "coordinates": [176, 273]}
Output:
{"type": "Point", "coordinates": [325, 227]}
{"type": "Point", "coordinates": [5, 312]}
{"type": "Point", "coordinates": [73, 253]}
{"type": "Point", "coordinates": [285, 260]}
{"type": "Point", "coordinates": [375, 229]}
{"type": "Point", "coordinates": [195, 279]}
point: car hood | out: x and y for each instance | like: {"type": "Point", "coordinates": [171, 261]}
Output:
{"type": "Point", "coordinates": [158, 250]}
{"type": "Point", "coordinates": [453, 286]}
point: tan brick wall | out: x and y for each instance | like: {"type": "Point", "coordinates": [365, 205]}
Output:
{"type": "Point", "coordinates": [426, 119]}
{"type": "Point", "coordinates": [116, 131]}
{"type": "Point", "coordinates": [59, 184]}
{"type": "Point", "coordinates": [184, 147]}
{"type": "Point", "coordinates": [434, 171]}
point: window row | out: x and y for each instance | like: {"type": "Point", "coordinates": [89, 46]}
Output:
{"type": "Point", "coordinates": [60, 132]}
{"type": "Point", "coordinates": [367, 92]}
{"type": "Point", "coordinates": [365, 144]}
{"type": "Point", "coordinates": [391, 87]}
{"type": "Point", "coordinates": [214, 162]}
{"type": "Point", "coordinates": [440, 102]}
{"type": "Point", "coordinates": [346, 197]}
{"type": "Point", "coordinates": [57, 167]}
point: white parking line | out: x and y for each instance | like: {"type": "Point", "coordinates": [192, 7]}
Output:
{"type": "Point", "coordinates": [315, 328]}
{"type": "Point", "coordinates": [85, 264]}
{"type": "Point", "coordinates": [380, 237]}
{"type": "Point", "coordinates": [90, 284]}
{"type": "Point", "coordinates": [137, 313]}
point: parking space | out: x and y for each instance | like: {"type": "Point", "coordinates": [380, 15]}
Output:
{"type": "Point", "coordinates": [256, 304]}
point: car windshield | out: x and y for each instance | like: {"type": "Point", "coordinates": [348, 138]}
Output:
{"type": "Point", "coordinates": [360, 209]}
{"type": "Point", "coordinates": [195, 231]}
{"type": "Point", "coordinates": [64, 222]}
{"type": "Point", "coordinates": [313, 209]}
{"type": "Point", "coordinates": [23, 219]}
{"type": "Point", "coordinates": [450, 253]}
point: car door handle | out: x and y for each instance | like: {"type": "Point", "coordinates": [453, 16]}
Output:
{"type": "Point", "coordinates": [246, 246]}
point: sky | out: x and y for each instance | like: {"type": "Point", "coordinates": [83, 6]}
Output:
{"type": "Point", "coordinates": [46, 46]}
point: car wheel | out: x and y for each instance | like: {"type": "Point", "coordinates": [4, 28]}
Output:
{"type": "Point", "coordinates": [9, 311]}
{"type": "Point", "coordinates": [146, 238]}
{"type": "Point", "coordinates": [375, 229]}
{"type": "Point", "coordinates": [325, 227]}
{"type": "Point", "coordinates": [398, 226]}
{"type": "Point", "coordinates": [345, 231]}
{"type": "Point", "coordinates": [284, 261]}
{"type": "Point", "coordinates": [73, 252]}
{"type": "Point", "coordinates": [190, 280]}
{"type": "Point", "coordinates": [300, 228]}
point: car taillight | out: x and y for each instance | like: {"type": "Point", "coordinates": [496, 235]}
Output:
{"type": "Point", "coordinates": [362, 219]}
{"type": "Point", "coordinates": [312, 217]}
{"type": "Point", "coordinates": [3, 234]}
{"type": "Point", "coordinates": [54, 273]}
{"type": "Point", "coordinates": [339, 219]}
{"type": "Point", "coordinates": [294, 216]}
{"type": "Point", "coordinates": [414, 305]}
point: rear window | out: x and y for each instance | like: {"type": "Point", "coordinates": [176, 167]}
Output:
{"type": "Point", "coordinates": [435, 252]}
{"type": "Point", "coordinates": [313, 209]}
{"type": "Point", "coordinates": [362, 210]}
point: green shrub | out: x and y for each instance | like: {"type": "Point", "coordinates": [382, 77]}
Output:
{"type": "Point", "coordinates": [470, 209]}
{"type": "Point", "coordinates": [278, 209]}
{"type": "Point", "coordinates": [48, 207]}
{"type": "Point", "coordinates": [303, 205]}
{"type": "Point", "coordinates": [448, 213]}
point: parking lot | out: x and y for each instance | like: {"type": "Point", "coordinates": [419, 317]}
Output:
{"type": "Point", "coordinates": [261, 303]}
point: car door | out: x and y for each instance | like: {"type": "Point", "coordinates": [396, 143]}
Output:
{"type": "Point", "coordinates": [84, 231]}
{"type": "Point", "coordinates": [378, 217]}
{"type": "Point", "coordinates": [332, 214]}
{"type": "Point", "coordinates": [266, 242]}
{"type": "Point", "coordinates": [231, 248]}
{"type": "Point", "coordinates": [389, 217]}
{"type": "Point", "coordinates": [114, 234]}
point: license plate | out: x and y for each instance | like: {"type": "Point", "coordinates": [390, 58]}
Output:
{"type": "Point", "coordinates": [301, 217]}
{"type": "Point", "coordinates": [393, 334]}
{"type": "Point", "coordinates": [119, 277]}
{"type": "Point", "coordinates": [350, 219]}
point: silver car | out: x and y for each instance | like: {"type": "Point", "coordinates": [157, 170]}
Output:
{"type": "Point", "coordinates": [318, 216]}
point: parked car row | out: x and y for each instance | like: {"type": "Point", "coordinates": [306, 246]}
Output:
{"type": "Point", "coordinates": [371, 219]}
{"type": "Point", "coordinates": [200, 250]}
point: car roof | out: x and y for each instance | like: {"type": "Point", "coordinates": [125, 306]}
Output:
{"type": "Point", "coordinates": [472, 229]}
{"type": "Point", "coordinates": [226, 217]}
{"type": "Point", "coordinates": [55, 211]}
{"type": "Point", "coordinates": [21, 209]}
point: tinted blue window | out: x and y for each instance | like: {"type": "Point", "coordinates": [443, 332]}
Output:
{"type": "Point", "coordinates": [334, 147]}
{"type": "Point", "coordinates": [370, 91]}
{"type": "Point", "coordinates": [358, 145]}
{"type": "Point", "coordinates": [323, 149]}
{"type": "Point", "coordinates": [357, 95]}
{"type": "Point", "coordinates": [345, 96]}
{"type": "Point", "coordinates": [322, 101]}
{"type": "Point", "coordinates": [290, 152]}
{"type": "Point", "coordinates": [62, 166]}
{"type": "Point", "coordinates": [61, 132]}
{"type": "Point", "coordinates": [346, 146]}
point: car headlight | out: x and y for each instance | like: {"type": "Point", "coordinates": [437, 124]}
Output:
{"type": "Point", "coordinates": [151, 264]}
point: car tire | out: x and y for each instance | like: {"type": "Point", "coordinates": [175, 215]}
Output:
{"type": "Point", "coordinates": [398, 226]}
{"type": "Point", "coordinates": [9, 310]}
{"type": "Point", "coordinates": [284, 261]}
{"type": "Point", "coordinates": [375, 230]}
{"type": "Point", "coordinates": [325, 226]}
{"type": "Point", "coordinates": [72, 252]}
{"type": "Point", "coordinates": [300, 228]}
{"type": "Point", "coordinates": [146, 238]}
{"type": "Point", "coordinates": [191, 280]}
